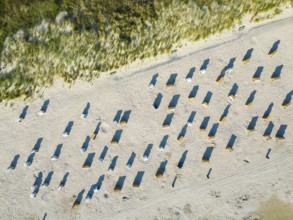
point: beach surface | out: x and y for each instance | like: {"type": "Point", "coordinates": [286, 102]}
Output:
{"type": "Point", "coordinates": [227, 184]}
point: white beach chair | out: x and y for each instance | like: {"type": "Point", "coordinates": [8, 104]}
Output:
{"type": "Point", "coordinates": [96, 189]}
{"type": "Point", "coordinates": [33, 194]}
{"type": "Point", "coordinates": [54, 157]}
{"type": "Point", "coordinates": [229, 70]}
{"type": "Point", "coordinates": [82, 150]}
{"type": "Point", "coordinates": [34, 187]}
{"type": "Point", "coordinates": [41, 112]}
{"type": "Point", "coordinates": [27, 163]}
{"type": "Point", "coordinates": [203, 71]}
{"type": "Point", "coordinates": [61, 185]}
{"type": "Point", "coordinates": [44, 185]}
{"type": "Point", "coordinates": [145, 157]}
{"type": "Point", "coordinates": [65, 133]}
{"type": "Point", "coordinates": [188, 79]}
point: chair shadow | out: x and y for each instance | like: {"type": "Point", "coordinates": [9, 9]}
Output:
{"type": "Point", "coordinates": [213, 130]}
{"type": "Point", "coordinates": [231, 142]}
{"type": "Point", "coordinates": [281, 131]}
{"type": "Point", "coordinates": [58, 150]}
{"type": "Point", "coordinates": [190, 73]}
{"type": "Point", "coordinates": [38, 180]}
{"type": "Point", "coordinates": [268, 111]}
{"type": "Point", "coordinates": [45, 106]}
{"type": "Point", "coordinates": [250, 99]}
{"type": "Point", "coordinates": [100, 182]}
{"type": "Point", "coordinates": [113, 163]}
{"type": "Point", "coordinates": [148, 150]}
{"type": "Point", "coordinates": [208, 98]}
{"type": "Point", "coordinates": [172, 79]}
{"type": "Point", "coordinates": [131, 160]}
{"type": "Point", "coordinates": [103, 154]}
{"type": "Point", "coordinates": [89, 160]}
{"type": "Point", "coordinates": [274, 47]}
{"type": "Point", "coordinates": [117, 116]}
{"type": "Point", "coordinates": [37, 146]}
{"type": "Point", "coordinates": [230, 65]}
{"type": "Point", "coordinates": [248, 54]}
{"type": "Point", "coordinates": [182, 159]}
{"type": "Point", "coordinates": [154, 79]}
{"type": "Point", "coordinates": [24, 112]}
{"type": "Point", "coordinates": [269, 129]}
{"type": "Point", "coordinates": [222, 74]}
{"type": "Point", "coordinates": [277, 72]}
{"type": "Point", "coordinates": [288, 98]}
{"type": "Point", "coordinates": [205, 64]}
{"type": "Point", "coordinates": [119, 184]}
{"type": "Point", "coordinates": [138, 179]}
{"type": "Point", "coordinates": [191, 117]}
{"type": "Point", "coordinates": [37, 183]}
{"type": "Point", "coordinates": [168, 120]}
{"type": "Point", "coordinates": [69, 127]}
{"type": "Point", "coordinates": [161, 170]}
{"type": "Point", "coordinates": [78, 199]}
{"type": "Point", "coordinates": [96, 131]}
{"type": "Point", "coordinates": [204, 123]}
{"type": "Point", "coordinates": [158, 100]}
{"type": "Point", "coordinates": [193, 92]}
{"type": "Point", "coordinates": [48, 178]}
{"type": "Point", "coordinates": [207, 154]}
{"type": "Point", "coordinates": [252, 124]}
{"type": "Point", "coordinates": [125, 117]}
{"type": "Point", "coordinates": [30, 159]}
{"type": "Point", "coordinates": [64, 179]}
{"type": "Point", "coordinates": [163, 143]}
{"type": "Point", "coordinates": [182, 133]}
{"type": "Point", "coordinates": [86, 109]}
{"type": "Point", "coordinates": [258, 72]}
{"type": "Point", "coordinates": [174, 101]}
{"type": "Point", "coordinates": [225, 112]}
{"type": "Point", "coordinates": [117, 136]}
{"type": "Point", "coordinates": [90, 193]}
{"type": "Point", "coordinates": [233, 90]}
{"type": "Point", "coordinates": [85, 144]}
{"type": "Point", "coordinates": [13, 163]}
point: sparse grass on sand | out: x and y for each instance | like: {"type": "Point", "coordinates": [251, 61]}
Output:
{"type": "Point", "coordinates": [91, 37]}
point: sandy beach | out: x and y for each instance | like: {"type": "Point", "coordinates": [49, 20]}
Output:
{"type": "Point", "coordinates": [253, 169]}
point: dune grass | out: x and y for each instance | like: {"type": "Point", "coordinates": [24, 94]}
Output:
{"type": "Point", "coordinates": [94, 36]}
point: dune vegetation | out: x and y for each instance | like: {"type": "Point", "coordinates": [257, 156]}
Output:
{"type": "Point", "coordinates": [44, 40]}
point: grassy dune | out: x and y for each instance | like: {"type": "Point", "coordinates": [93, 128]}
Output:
{"type": "Point", "coordinates": [94, 36]}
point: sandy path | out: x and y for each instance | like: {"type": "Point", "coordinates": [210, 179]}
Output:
{"type": "Point", "coordinates": [235, 188]}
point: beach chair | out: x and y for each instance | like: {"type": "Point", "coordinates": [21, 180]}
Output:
{"type": "Point", "coordinates": [245, 61]}
{"type": "Point", "coordinates": [272, 53]}
{"type": "Point", "coordinates": [220, 79]}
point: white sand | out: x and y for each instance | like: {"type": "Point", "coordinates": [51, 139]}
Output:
{"type": "Point", "coordinates": [235, 188]}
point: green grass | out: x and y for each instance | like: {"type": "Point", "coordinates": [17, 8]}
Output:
{"type": "Point", "coordinates": [99, 36]}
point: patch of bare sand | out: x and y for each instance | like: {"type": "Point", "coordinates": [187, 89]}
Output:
{"type": "Point", "coordinates": [274, 209]}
